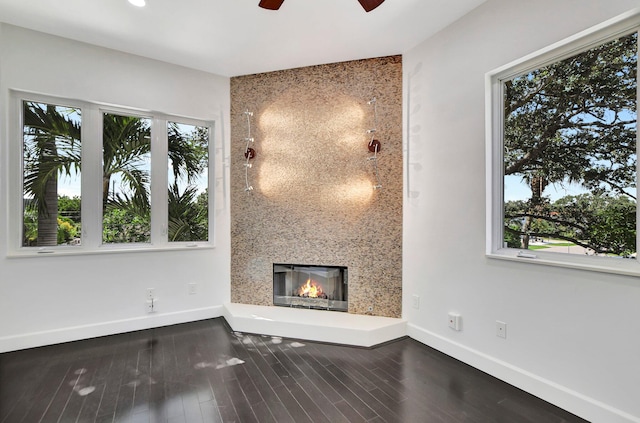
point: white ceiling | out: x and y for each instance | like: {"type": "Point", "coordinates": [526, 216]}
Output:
{"type": "Point", "coordinates": [236, 37]}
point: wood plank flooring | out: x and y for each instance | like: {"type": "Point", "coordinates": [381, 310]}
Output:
{"type": "Point", "coordinates": [203, 372]}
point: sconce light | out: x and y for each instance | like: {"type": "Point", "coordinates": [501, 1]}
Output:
{"type": "Point", "coordinates": [249, 153]}
{"type": "Point", "coordinates": [374, 145]}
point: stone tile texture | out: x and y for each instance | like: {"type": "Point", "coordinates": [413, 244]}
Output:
{"type": "Point", "coordinates": [313, 200]}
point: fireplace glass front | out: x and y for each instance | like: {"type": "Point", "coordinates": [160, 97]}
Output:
{"type": "Point", "coordinates": [310, 286]}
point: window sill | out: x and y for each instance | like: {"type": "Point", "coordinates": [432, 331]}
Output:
{"type": "Point", "coordinates": [620, 266]}
{"type": "Point", "coordinates": [110, 249]}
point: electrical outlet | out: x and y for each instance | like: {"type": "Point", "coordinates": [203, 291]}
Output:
{"type": "Point", "coordinates": [501, 329]}
{"type": "Point", "coordinates": [416, 302]}
{"type": "Point", "coordinates": [193, 288]}
{"type": "Point", "coordinates": [455, 321]}
{"type": "Point", "coordinates": [151, 293]}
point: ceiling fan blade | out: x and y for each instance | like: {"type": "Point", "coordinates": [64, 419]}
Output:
{"type": "Point", "coordinates": [271, 4]}
{"type": "Point", "coordinates": [369, 5]}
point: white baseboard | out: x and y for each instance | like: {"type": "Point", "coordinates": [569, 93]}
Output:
{"type": "Point", "coordinates": [314, 325]}
{"type": "Point", "coordinates": [561, 396]}
{"type": "Point", "coordinates": [75, 333]}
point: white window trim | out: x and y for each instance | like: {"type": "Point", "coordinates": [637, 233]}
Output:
{"type": "Point", "coordinates": [611, 29]}
{"type": "Point", "coordinates": [91, 182]}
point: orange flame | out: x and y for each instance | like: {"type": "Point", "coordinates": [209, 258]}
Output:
{"type": "Point", "coordinates": [311, 289]}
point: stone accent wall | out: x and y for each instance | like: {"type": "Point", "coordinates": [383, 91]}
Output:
{"type": "Point", "coordinates": [313, 200]}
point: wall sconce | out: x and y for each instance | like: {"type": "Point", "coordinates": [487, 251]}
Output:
{"type": "Point", "coordinates": [249, 153]}
{"type": "Point", "coordinates": [374, 145]}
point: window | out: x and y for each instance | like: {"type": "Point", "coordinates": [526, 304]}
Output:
{"type": "Point", "coordinates": [126, 197]}
{"type": "Point", "coordinates": [51, 163]}
{"type": "Point", "coordinates": [126, 179]}
{"type": "Point", "coordinates": [563, 153]}
{"type": "Point", "coordinates": [188, 174]}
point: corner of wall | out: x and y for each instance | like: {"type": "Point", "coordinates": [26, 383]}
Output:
{"type": "Point", "coordinates": [570, 400]}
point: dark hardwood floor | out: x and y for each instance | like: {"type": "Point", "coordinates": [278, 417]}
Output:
{"type": "Point", "coordinates": [204, 372]}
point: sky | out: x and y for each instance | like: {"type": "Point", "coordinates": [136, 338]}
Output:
{"type": "Point", "coordinates": [515, 189]}
{"type": "Point", "coordinates": [70, 185]}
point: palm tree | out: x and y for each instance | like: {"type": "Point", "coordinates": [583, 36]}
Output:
{"type": "Point", "coordinates": [187, 217]}
{"type": "Point", "coordinates": [126, 140]}
{"type": "Point", "coordinates": [188, 154]}
{"type": "Point", "coordinates": [51, 148]}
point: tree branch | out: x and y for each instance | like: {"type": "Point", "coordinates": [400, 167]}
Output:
{"type": "Point", "coordinates": [557, 235]}
{"type": "Point", "coordinates": [548, 219]}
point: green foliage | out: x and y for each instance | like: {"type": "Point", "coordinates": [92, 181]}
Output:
{"type": "Point", "coordinates": [69, 207]}
{"type": "Point", "coordinates": [52, 149]}
{"type": "Point", "coordinates": [67, 230]}
{"type": "Point", "coordinates": [512, 235]}
{"type": "Point", "coordinates": [68, 221]}
{"type": "Point", "coordinates": [605, 224]}
{"type": "Point", "coordinates": [188, 153]}
{"type": "Point", "coordinates": [188, 158]}
{"type": "Point", "coordinates": [188, 215]}
{"type": "Point", "coordinates": [119, 225]}
{"type": "Point", "coordinates": [126, 144]}
{"type": "Point", "coordinates": [202, 202]}
{"type": "Point", "coordinates": [30, 227]}
{"type": "Point", "coordinates": [538, 247]}
{"type": "Point", "coordinates": [574, 121]}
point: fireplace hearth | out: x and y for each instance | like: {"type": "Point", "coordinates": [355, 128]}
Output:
{"type": "Point", "coordinates": [310, 286]}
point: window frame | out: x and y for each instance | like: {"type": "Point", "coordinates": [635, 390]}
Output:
{"type": "Point", "coordinates": [91, 180]}
{"type": "Point", "coordinates": [165, 218]}
{"type": "Point", "coordinates": [494, 124]}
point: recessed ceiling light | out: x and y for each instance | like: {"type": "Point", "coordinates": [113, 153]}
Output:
{"type": "Point", "coordinates": [139, 3]}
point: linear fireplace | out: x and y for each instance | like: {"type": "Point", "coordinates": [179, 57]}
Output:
{"type": "Point", "coordinates": [310, 286]}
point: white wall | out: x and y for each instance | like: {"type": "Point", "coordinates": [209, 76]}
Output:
{"type": "Point", "coordinates": [573, 337]}
{"type": "Point", "coordinates": [58, 298]}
